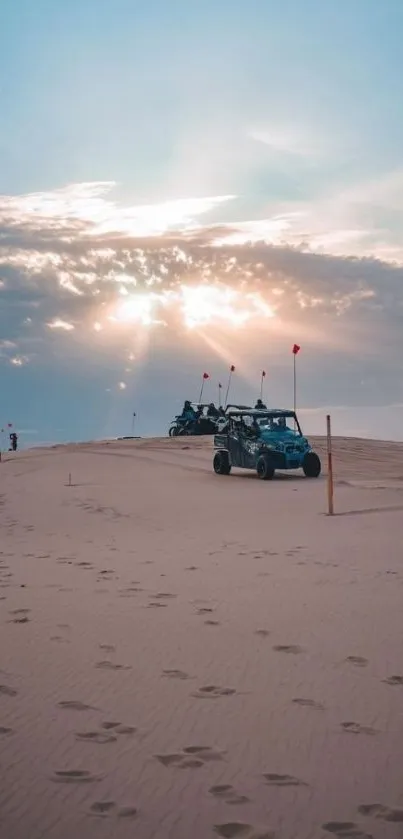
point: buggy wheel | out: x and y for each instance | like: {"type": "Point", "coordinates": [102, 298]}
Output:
{"type": "Point", "coordinates": [221, 463]}
{"type": "Point", "coordinates": [265, 468]}
{"type": "Point", "coordinates": [173, 431]}
{"type": "Point", "coordinates": [311, 465]}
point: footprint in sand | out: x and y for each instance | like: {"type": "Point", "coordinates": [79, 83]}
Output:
{"type": "Point", "coordinates": [4, 730]}
{"type": "Point", "coordinates": [5, 690]}
{"type": "Point", "coordinates": [212, 623]}
{"type": "Point", "coordinates": [127, 813]}
{"type": "Point", "coordinates": [309, 703]}
{"type": "Point", "coordinates": [274, 780]}
{"type": "Point", "coordinates": [357, 728]}
{"type": "Point", "coordinates": [23, 618]}
{"type": "Point", "coordinates": [192, 568]}
{"type": "Point", "coordinates": [263, 633]}
{"type": "Point", "coordinates": [75, 776]}
{"type": "Point", "coordinates": [357, 660]}
{"type": "Point", "coordinates": [176, 674]}
{"type": "Point", "coordinates": [380, 811]}
{"type": "Point", "coordinates": [73, 705]}
{"type": "Point", "coordinates": [118, 728]}
{"type": "Point", "coordinates": [205, 753]}
{"type": "Point", "coordinates": [110, 665]}
{"type": "Point", "coordinates": [239, 830]}
{"type": "Point", "coordinates": [107, 648]}
{"type": "Point", "coordinates": [213, 692]}
{"type": "Point", "coordinates": [20, 612]}
{"type": "Point", "coordinates": [157, 605]}
{"type": "Point", "coordinates": [107, 808]}
{"type": "Point", "coordinates": [228, 794]}
{"type": "Point", "coordinates": [102, 808]}
{"type": "Point", "coordinates": [99, 737]}
{"type": "Point", "coordinates": [291, 649]}
{"type": "Point", "coordinates": [191, 757]}
{"type": "Point", "coordinates": [345, 830]}
{"type": "Point", "coordinates": [393, 680]}
{"type": "Point", "coordinates": [163, 595]}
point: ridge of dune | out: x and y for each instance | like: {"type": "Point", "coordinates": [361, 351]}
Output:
{"type": "Point", "coordinates": [185, 654]}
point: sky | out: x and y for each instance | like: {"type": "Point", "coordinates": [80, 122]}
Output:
{"type": "Point", "coordinates": [185, 187]}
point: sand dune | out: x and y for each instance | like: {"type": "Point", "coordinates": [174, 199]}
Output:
{"type": "Point", "coordinates": [184, 654]}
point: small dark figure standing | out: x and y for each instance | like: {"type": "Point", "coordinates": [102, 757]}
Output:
{"type": "Point", "coordinates": [14, 441]}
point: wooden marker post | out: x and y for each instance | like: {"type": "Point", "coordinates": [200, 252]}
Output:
{"type": "Point", "coordinates": [329, 467]}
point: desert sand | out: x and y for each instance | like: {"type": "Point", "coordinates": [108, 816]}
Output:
{"type": "Point", "coordinates": [188, 655]}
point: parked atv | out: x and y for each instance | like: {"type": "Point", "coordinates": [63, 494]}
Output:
{"type": "Point", "coordinates": [264, 441]}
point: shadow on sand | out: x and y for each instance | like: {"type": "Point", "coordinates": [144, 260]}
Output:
{"type": "Point", "coordinates": [392, 509]}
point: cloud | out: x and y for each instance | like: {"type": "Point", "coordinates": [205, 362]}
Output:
{"type": "Point", "coordinates": [75, 262]}
{"type": "Point", "coordinates": [19, 360]}
{"type": "Point", "coordinates": [287, 141]}
{"type": "Point", "coordinates": [58, 323]}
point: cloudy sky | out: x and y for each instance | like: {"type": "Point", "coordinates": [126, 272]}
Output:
{"type": "Point", "coordinates": [190, 186]}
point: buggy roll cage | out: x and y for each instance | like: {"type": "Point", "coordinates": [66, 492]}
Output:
{"type": "Point", "coordinates": [270, 413]}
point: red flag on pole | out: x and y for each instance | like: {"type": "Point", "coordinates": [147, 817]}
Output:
{"type": "Point", "coordinates": [9, 425]}
{"type": "Point", "coordinates": [263, 373]}
{"type": "Point", "coordinates": [296, 349]}
{"type": "Point", "coordinates": [206, 376]}
{"type": "Point", "coordinates": [231, 371]}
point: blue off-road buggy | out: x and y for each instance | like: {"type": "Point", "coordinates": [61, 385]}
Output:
{"type": "Point", "coordinates": [264, 440]}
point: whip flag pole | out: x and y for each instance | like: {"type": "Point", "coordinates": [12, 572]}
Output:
{"type": "Point", "coordinates": [219, 394]}
{"type": "Point", "coordinates": [329, 467]}
{"type": "Point", "coordinates": [204, 379]}
{"type": "Point", "coordinates": [295, 351]}
{"type": "Point", "coordinates": [231, 371]}
{"type": "Point", "coordinates": [133, 421]}
{"type": "Point", "coordinates": [263, 376]}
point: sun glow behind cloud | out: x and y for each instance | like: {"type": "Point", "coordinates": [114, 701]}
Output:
{"type": "Point", "coordinates": [108, 278]}
{"type": "Point", "coordinates": [194, 306]}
